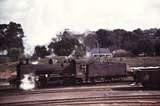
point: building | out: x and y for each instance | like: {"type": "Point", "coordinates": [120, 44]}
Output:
{"type": "Point", "coordinates": [101, 52]}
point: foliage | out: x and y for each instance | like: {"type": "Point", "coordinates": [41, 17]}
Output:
{"type": "Point", "coordinates": [11, 36]}
{"type": "Point", "coordinates": [90, 40]}
{"type": "Point", "coordinates": [11, 40]}
{"type": "Point", "coordinates": [103, 38]}
{"type": "Point", "coordinates": [14, 54]}
{"type": "Point", "coordinates": [66, 44]}
{"type": "Point", "coordinates": [40, 51]}
{"type": "Point", "coordinates": [137, 41]}
{"type": "Point", "coordinates": [157, 47]}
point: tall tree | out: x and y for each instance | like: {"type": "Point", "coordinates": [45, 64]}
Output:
{"type": "Point", "coordinates": [11, 36]}
{"type": "Point", "coordinates": [90, 40]}
{"type": "Point", "coordinates": [3, 38]}
{"type": "Point", "coordinates": [103, 37]}
{"type": "Point", "coordinates": [65, 44]}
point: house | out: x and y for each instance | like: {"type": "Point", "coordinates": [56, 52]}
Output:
{"type": "Point", "coordinates": [101, 52]}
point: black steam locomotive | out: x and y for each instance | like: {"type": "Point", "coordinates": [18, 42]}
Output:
{"type": "Point", "coordinates": [74, 72]}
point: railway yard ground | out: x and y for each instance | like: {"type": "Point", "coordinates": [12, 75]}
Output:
{"type": "Point", "coordinates": [109, 94]}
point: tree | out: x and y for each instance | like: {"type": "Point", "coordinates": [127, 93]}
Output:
{"type": "Point", "coordinates": [117, 36]}
{"type": "Point", "coordinates": [145, 46]}
{"type": "Point", "coordinates": [66, 43]}
{"type": "Point", "coordinates": [3, 39]}
{"type": "Point", "coordinates": [103, 37]}
{"type": "Point", "coordinates": [157, 47]}
{"type": "Point", "coordinates": [40, 51]}
{"type": "Point", "coordinates": [14, 54]}
{"type": "Point", "coordinates": [11, 36]}
{"type": "Point", "coordinates": [157, 34]}
{"type": "Point", "coordinates": [90, 40]}
{"type": "Point", "coordinates": [63, 47]}
{"type": "Point", "coordinates": [138, 32]}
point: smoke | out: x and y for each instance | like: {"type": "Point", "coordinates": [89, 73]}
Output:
{"type": "Point", "coordinates": [28, 82]}
{"type": "Point", "coordinates": [88, 54]}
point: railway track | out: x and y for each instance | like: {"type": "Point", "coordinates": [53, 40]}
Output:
{"type": "Point", "coordinates": [84, 96]}
{"type": "Point", "coordinates": [101, 87]}
{"type": "Point", "coordinates": [107, 100]}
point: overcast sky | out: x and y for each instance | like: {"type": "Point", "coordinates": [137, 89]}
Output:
{"type": "Point", "coordinates": [42, 19]}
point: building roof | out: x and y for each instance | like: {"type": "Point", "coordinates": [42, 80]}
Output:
{"type": "Point", "coordinates": [100, 51]}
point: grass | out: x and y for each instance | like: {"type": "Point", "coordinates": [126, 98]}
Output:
{"type": "Point", "coordinates": [10, 66]}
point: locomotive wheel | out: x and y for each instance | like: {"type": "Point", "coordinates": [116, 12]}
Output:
{"type": "Point", "coordinates": [42, 82]}
{"type": "Point", "coordinates": [92, 80]}
{"type": "Point", "coordinates": [108, 79]}
{"type": "Point", "coordinates": [79, 81]}
{"type": "Point", "coordinates": [69, 81]}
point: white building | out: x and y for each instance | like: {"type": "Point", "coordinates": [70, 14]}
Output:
{"type": "Point", "coordinates": [101, 52]}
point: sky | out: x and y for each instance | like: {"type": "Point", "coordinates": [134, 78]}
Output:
{"type": "Point", "coordinates": [41, 20]}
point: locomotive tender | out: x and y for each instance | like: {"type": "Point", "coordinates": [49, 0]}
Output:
{"type": "Point", "coordinates": [75, 71]}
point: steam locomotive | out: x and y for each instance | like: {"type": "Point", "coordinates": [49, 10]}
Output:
{"type": "Point", "coordinates": [73, 72]}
